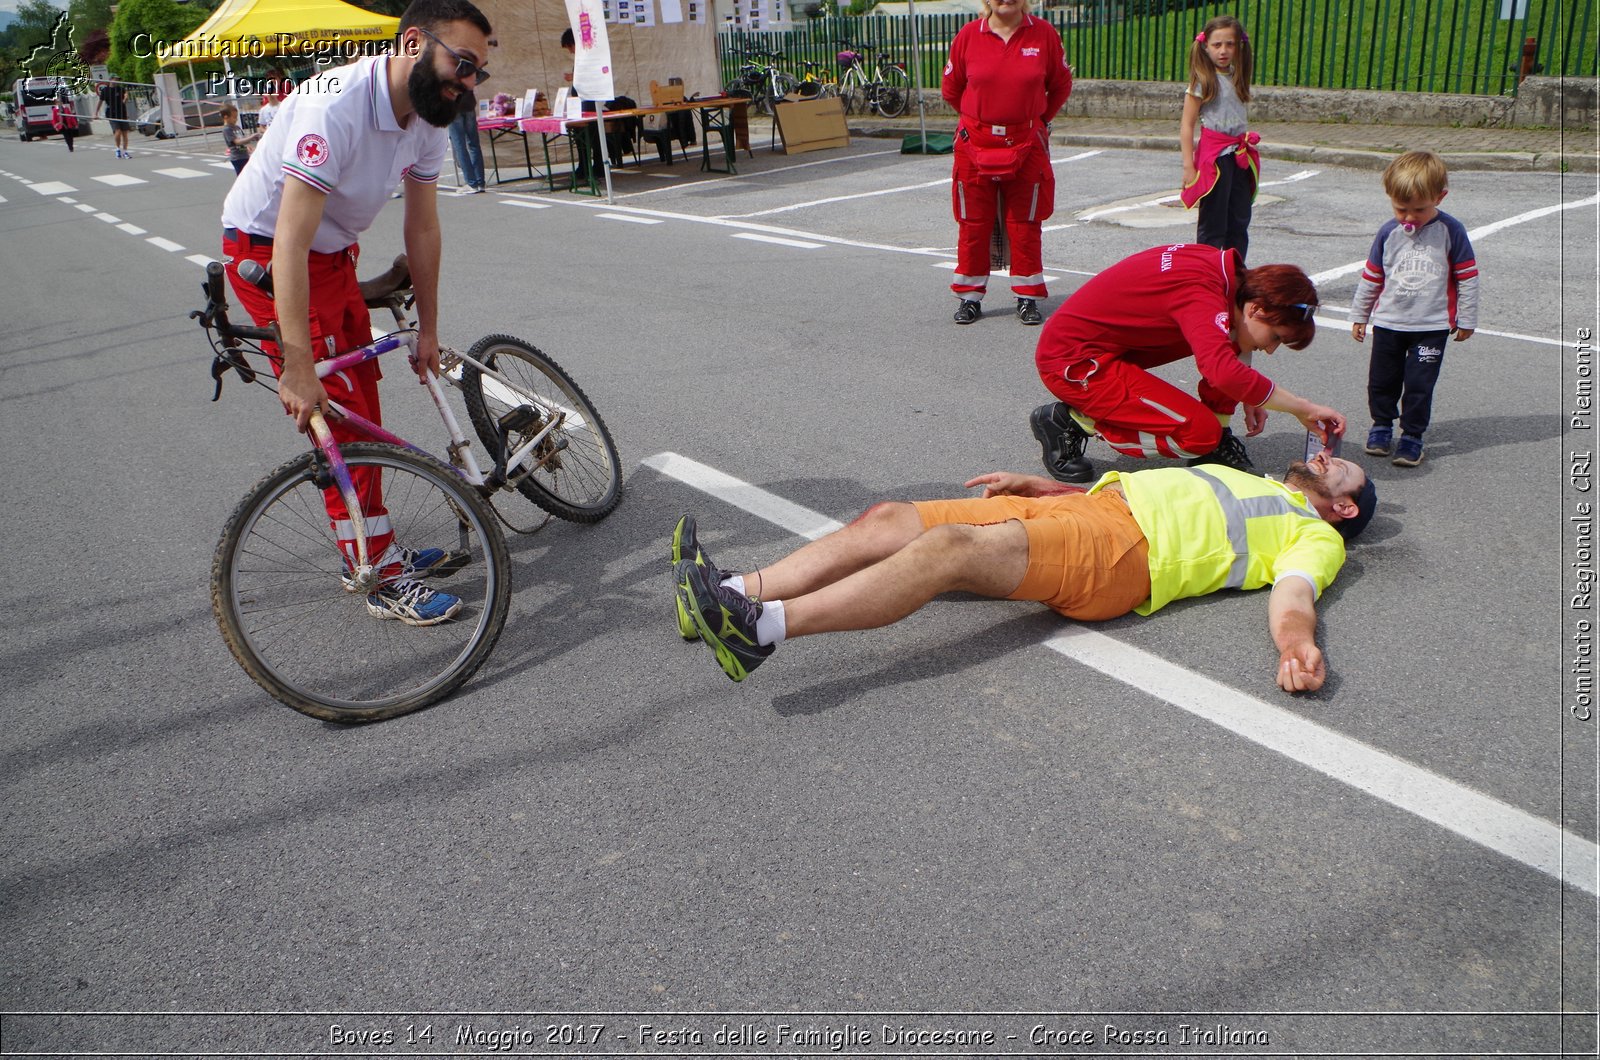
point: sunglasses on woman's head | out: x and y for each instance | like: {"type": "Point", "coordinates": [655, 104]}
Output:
{"type": "Point", "coordinates": [1305, 310]}
{"type": "Point", "coordinates": [464, 66]}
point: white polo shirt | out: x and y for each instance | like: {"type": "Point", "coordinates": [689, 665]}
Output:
{"type": "Point", "coordinates": [337, 133]}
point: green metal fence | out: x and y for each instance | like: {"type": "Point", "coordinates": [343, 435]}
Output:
{"type": "Point", "coordinates": [1465, 46]}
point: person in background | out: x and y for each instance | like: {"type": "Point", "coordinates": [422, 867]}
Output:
{"type": "Point", "coordinates": [1007, 76]}
{"type": "Point", "coordinates": [1222, 177]}
{"type": "Point", "coordinates": [235, 139]}
{"type": "Point", "coordinates": [465, 145]}
{"type": "Point", "coordinates": [64, 116]}
{"type": "Point", "coordinates": [113, 99]}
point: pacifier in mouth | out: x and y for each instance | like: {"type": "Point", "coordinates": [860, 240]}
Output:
{"type": "Point", "coordinates": [1408, 227]}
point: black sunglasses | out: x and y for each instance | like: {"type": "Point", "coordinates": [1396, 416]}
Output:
{"type": "Point", "coordinates": [1305, 310]}
{"type": "Point", "coordinates": [464, 66]}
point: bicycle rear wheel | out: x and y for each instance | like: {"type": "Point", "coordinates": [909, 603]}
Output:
{"type": "Point", "coordinates": [288, 618]}
{"type": "Point", "coordinates": [893, 93]}
{"type": "Point", "coordinates": [580, 479]}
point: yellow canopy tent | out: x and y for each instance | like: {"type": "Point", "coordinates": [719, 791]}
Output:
{"type": "Point", "coordinates": [254, 29]}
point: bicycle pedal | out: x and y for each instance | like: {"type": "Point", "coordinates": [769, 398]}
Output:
{"type": "Point", "coordinates": [520, 419]}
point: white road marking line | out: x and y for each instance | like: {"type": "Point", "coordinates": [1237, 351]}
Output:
{"type": "Point", "coordinates": [221, 165]}
{"type": "Point", "coordinates": [132, 229]}
{"type": "Point", "coordinates": [108, 219]}
{"type": "Point", "coordinates": [1057, 228]}
{"type": "Point", "coordinates": [1003, 273]}
{"type": "Point", "coordinates": [753, 499]}
{"type": "Point", "coordinates": [1470, 814]}
{"type": "Point", "coordinates": [1472, 233]}
{"type": "Point", "coordinates": [184, 174]}
{"type": "Point", "coordinates": [839, 198]}
{"type": "Point", "coordinates": [54, 187]}
{"type": "Point", "coordinates": [871, 194]}
{"type": "Point", "coordinates": [63, 198]}
{"type": "Point", "coordinates": [1304, 174]}
{"type": "Point", "coordinates": [525, 204]}
{"type": "Point", "coordinates": [164, 244]}
{"type": "Point", "coordinates": [802, 244]}
{"type": "Point", "coordinates": [86, 208]}
{"type": "Point", "coordinates": [199, 259]}
{"type": "Point", "coordinates": [630, 219]}
{"type": "Point", "coordinates": [119, 180]}
{"type": "Point", "coordinates": [1344, 326]}
{"type": "Point", "coordinates": [1483, 820]}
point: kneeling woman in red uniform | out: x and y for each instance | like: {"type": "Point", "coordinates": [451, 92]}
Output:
{"type": "Point", "coordinates": [1156, 307]}
{"type": "Point", "coordinates": [1007, 77]}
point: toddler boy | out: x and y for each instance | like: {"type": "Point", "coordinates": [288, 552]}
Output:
{"type": "Point", "coordinates": [1419, 288]}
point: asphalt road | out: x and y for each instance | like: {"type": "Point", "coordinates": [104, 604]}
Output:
{"type": "Point", "coordinates": [904, 828]}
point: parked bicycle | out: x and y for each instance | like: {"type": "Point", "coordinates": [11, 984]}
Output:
{"type": "Point", "coordinates": [884, 87]}
{"type": "Point", "coordinates": [294, 610]}
{"type": "Point", "coordinates": [763, 81]}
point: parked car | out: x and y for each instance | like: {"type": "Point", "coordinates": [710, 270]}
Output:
{"type": "Point", "coordinates": [203, 113]}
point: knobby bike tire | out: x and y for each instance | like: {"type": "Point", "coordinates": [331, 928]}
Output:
{"type": "Point", "coordinates": [290, 621]}
{"type": "Point", "coordinates": [582, 483]}
{"type": "Point", "coordinates": [893, 93]}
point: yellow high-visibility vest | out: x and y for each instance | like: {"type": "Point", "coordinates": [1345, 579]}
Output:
{"type": "Point", "coordinates": [1212, 527]}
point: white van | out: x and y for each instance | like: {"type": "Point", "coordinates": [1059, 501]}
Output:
{"type": "Point", "coordinates": [34, 97]}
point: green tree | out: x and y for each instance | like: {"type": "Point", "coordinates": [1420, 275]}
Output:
{"type": "Point", "coordinates": [141, 26]}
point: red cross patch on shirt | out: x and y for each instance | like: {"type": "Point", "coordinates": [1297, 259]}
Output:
{"type": "Point", "coordinates": [312, 150]}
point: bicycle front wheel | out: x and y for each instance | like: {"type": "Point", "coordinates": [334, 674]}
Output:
{"type": "Point", "coordinates": [281, 600]}
{"type": "Point", "coordinates": [579, 477]}
{"type": "Point", "coordinates": [893, 93]}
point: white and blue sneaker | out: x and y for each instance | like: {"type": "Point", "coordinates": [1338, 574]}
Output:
{"type": "Point", "coordinates": [400, 562]}
{"type": "Point", "coordinates": [412, 602]}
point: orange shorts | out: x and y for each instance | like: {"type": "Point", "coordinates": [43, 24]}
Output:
{"type": "Point", "coordinates": [1087, 557]}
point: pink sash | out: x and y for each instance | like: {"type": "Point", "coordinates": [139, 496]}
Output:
{"type": "Point", "coordinates": [1209, 157]}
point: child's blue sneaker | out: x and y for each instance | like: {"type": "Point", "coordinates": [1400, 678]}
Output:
{"type": "Point", "coordinates": [1380, 441]}
{"type": "Point", "coordinates": [1409, 452]}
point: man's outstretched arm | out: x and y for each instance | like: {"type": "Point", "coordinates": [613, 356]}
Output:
{"type": "Point", "coordinates": [1292, 615]}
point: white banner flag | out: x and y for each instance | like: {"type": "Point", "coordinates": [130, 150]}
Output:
{"type": "Point", "coordinates": [591, 71]}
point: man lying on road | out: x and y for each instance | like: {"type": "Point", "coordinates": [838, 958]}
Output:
{"type": "Point", "coordinates": [1132, 542]}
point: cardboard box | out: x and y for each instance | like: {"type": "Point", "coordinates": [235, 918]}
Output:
{"type": "Point", "coordinates": [812, 125]}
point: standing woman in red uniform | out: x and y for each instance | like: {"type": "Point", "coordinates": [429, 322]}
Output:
{"type": "Point", "coordinates": [1006, 78]}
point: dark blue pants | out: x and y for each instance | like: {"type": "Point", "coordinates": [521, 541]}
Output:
{"type": "Point", "coordinates": [1405, 366]}
{"type": "Point", "coordinates": [1224, 219]}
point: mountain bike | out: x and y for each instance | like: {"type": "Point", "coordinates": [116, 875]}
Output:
{"type": "Point", "coordinates": [297, 611]}
{"type": "Point", "coordinates": [885, 88]}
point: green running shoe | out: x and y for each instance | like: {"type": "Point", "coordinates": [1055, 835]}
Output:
{"type": "Point", "coordinates": [686, 545]}
{"type": "Point", "coordinates": [726, 619]}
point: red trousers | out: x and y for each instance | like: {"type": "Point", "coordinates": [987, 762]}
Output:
{"type": "Point", "coordinates": [1029, 198]}
{"type": "Point", "coordinates": [1140, 414]}
{"type": "Point", "coordinates": [340, 321]}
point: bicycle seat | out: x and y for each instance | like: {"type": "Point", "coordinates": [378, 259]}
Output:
{"type": "Point", "coordinates": [380, 290]}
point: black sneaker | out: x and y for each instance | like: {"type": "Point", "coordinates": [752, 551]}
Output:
{"type": "Point", "coordinates": [726, 619]}
{"type": "Point", "coordinates": [1229, 452]}
{"type": "Point", "coordinates": [1028, 312]}
{"type": "Point", "coordinates": [686, 545]}
{"type": "Point", "coordinates": [969, 310]}
{"type": "Point", "coordinates": [1063, 441]}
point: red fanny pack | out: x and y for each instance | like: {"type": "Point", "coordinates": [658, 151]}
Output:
{"type": "Point", "coordinates": [999, 158]}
